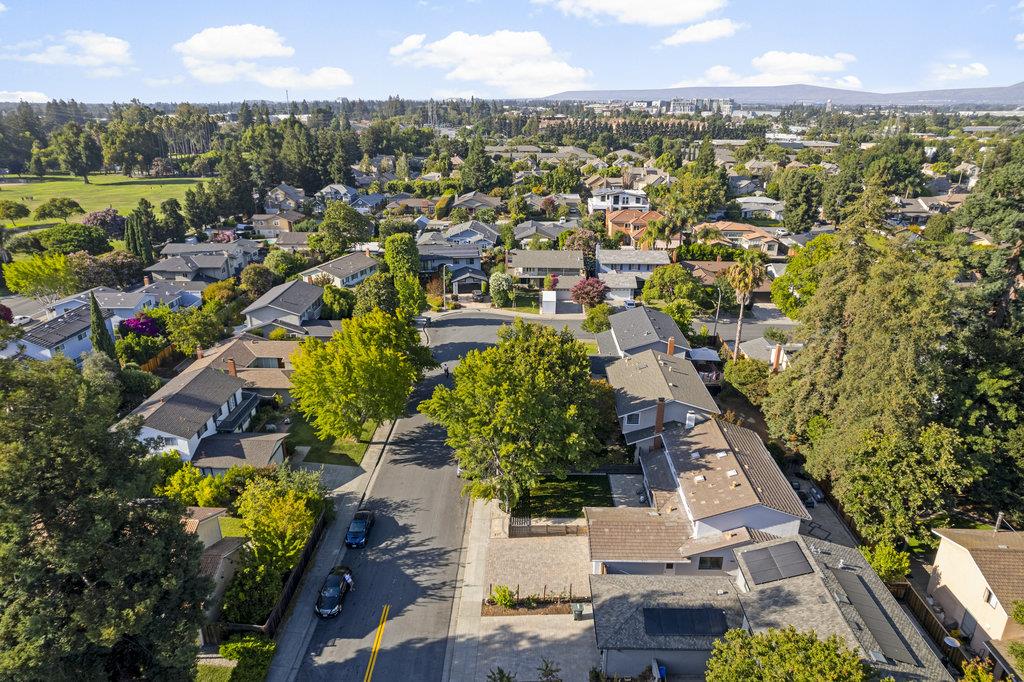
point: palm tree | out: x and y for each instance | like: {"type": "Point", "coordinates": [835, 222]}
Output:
{"type": "Point", "coordinates": [656, 230]}
{"type": "Point", "coordinates": [708, 234]}
{"type": "Point", "coordinates": [744, 275]}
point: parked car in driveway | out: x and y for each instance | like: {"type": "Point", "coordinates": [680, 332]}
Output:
{"type": "Point", "coordinates": [816, 495]}
{"type": "Point", "coordinates": [359, 530]}
{"type": "Point", "coordinates": [336, 587]}
{"type": "Point", "coordinates": [21, 320]}
{"type": "Point", "coordinates": [479, 297]}
{"type": "Point", "coordinates": [806, 499]}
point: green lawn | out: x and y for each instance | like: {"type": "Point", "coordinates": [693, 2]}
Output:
{"type": "Point", "coordinates": [102, 191]}
{"type": "Point", "coordinates": [591, 346]}
{"type": "Point", "coordinates": [553, 497]}
{"type": "Point", "coordinates": [345, 452]}
{"type": "Point", "coordinates": [231, 527]}
{"type": "Point", "coordinates": [525, 303]}
{"type": "Point", "coordinates": [214, 673]}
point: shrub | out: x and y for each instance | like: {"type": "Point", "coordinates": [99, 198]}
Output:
{"type": "Point", "coordinates": [889, 563]}
{"type": "Point", "coordinates": [254, 654]}
{"type": "Point", "coordinates": [502, 595]}
{"type": "Point", "coordinates": [597, 319]}
{"type": "Point", "coordinates": [253, 591]}
{"type": "Point", "coordinates": [135, 348]}
{"type": "Point", "coordinates": [749, 377]}
{"type": "Point", "coordinates": [279, 334]}
{"type": "Point", "coordinates": [141, 325]}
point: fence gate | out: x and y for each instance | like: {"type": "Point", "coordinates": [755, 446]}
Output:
{"type": "Point", "coordinates": [519, 518]}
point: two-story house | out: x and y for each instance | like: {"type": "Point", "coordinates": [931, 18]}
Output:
{"type": "Point", "coordinates": [473, 232]}
{"type": "Point", "coordinates": [437, 255]}
{"type": "Point", "coordinates": [271, 225]}
{"type": "Point", "coordinates": [531, 267]}
{"type": "Point", "coordinates": [264, 365]}
{"type": "Point", "coordinates": [630, 224]}
{"type": "Point", "coordinates": [237, 255]}
{"type": "Point", "coordinates": [546, 231]}
{"type": "Point", "coordinates": [123, 305]}
{"type": "Point", "coordinates": [288, 306]}
{"type": "Point", "coordinates": [284, 197]}
{"type": "Point", "coordinates": [616, 199]}
{"type": "Point", "coordinates": [761, 207]}
{"type": "Point", "coordinates": [66, 334]}
{"type": "Point", "coordinates": [345, 271]}
{"type": "Point", "coordinates": [336, 192]}
{"type": "Point", "coordinates": [630, 261]}
{"type": "Point", "coordinates": [976, 578]}
{"type": "Point", "coordinates": [750, 237]}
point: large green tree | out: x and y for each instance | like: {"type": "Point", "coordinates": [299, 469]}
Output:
{"type": "Point", "coordinates": [365, 372]}
{"type": "Point", "coordinates": [376, 292]}
{"type": "Point", "coordinates": [801, 190]}
{"type": "Point", "coordinates": [45, 277]}
{"type": "Point", "coordinates": [401, 254]}
{"type": "Point", "coordinates": [792, 290]}
{"type": "Point", "coordinates": [783, 654]}
{"type": "Point", "coordinates": [58, 207]}
{"type": "Point", "coordinates": [518, 410]}
{"type": "Point", "coordinates": [77, 150]}
{"type": "Point", "coordinates": [341, 228]}
{"type": "Point", "coordinates": [72, 237]}
{"type": "Point", "coordinates": [101, 582]}
{"type": "Point", "coordinates": [100, 336]}
{"type": "Point", "coordinates": [13, 211]}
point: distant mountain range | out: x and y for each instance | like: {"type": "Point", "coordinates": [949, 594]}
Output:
{"type": "Point", "coordinates": [777, 95]}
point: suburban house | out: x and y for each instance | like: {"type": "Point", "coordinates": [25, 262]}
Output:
{"type": "Point", "coordinates": [238, 253]}
{"type": "Point", "coordinates": [621, 287]}
{"type": "Point", "coordinates": [66, 334]}
{"type": "Point", "coordinates": [434, 256]}
{"type": "Point", "coordinates": [745, 236]}
{"type": "Point", "coordinates": [264, 365]}
{"type": "Point", "coordinates": [284, 197]}
{"type": "Point", "coordinates": [761, 207]}
{"type": "Point", "coordinates": [293, 242]}
{"type": "Point", "coordinates": [630, 222]}
{"type": "Point", "coordinates": [708, 272]}
{"type": "Point", "coordinates": [221, 555]}
{"type": "Point", "coordinates": [271, 225]}
{"type": "Point", "coordinates": [288, 306]}
{"type": "Point", "coordinates": [412, 205]}
{"type": "Point", "coordinates": [203, 414]}
{"type": "Point", "coordinates": [123, 305]}
{"type": "Point", "coordinates": [742, 185]}
{"type": "Point", "coordinates": [629, 261]}
{"type": "Point", "coordinates": [615, 199]}
{"type": "Point", "coordinates": [778, 355]}
{"type": "Point", "coordinates": [976, 578]}
{"type": "Point", "coordinates": [467, 280]}
{"type": "Point", "coordinates": [203, 268]}
{"type": "Point", "coordinates": [531, 267]}
{"type": "Point", "coordinates": [473, 232]}
{"type": "Point", "coordinates": [653, 389]}
{"type": "Point", "coordinates": [642, 177]}
{"type": "Point", "coordinates": [545, 231]}
{"type": "Point", "coordinates": [639, 329]}
{"type": "Point", "coordinates": [598, 182]}
{"type": "Point", "coordinates": [474, 201]}
{"type": "Point", "coordinates": [369, 203]}
{"type": "Point", "coordinates": [672, 621]}
{"type": "Point", "coordinates": [336, 192]}
{"type": "Point", "coordinates": [539, 204]}
{"type": "Point", "coordinates": [345, 271]}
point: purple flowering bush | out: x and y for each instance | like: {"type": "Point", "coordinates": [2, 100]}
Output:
{"type": "Point", "coordinates": [141, 326]}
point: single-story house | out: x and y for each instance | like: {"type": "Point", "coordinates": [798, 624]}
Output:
{"type": "Point", "coordinates": [345, 271]}
{"type": "Point", "coordinates": [639, 329]}
{"type": "Point", "coordinates": [67, 334]}
{"type": "Point", "coordinates": [466, 279]}
{"type": "Point", "coordinates": [219, 452]}
{"type": "Point", "coordinates": [778, 355]}
{"type": "Point", "coordinates": [293, 242]}
{"type": "Point", "coordinates": [473, 232]}
{"type": "Point", "coordinates": [293, 302]}
{"type": "Point", "coordinates": [761, 207]}
{"type": "Point", "coordinates": [474, 201]}
{"type": "Point", "coordinates": [544, 231]}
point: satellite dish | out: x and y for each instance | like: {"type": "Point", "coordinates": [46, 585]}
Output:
{"type": "Point", "coordinates": [951, 641]}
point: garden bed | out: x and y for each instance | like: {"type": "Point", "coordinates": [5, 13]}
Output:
{"type": "Point", "coordinates": [536, 609]}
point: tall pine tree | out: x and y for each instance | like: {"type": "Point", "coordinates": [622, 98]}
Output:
{"type": "Point", "coordinates": [100, 336]}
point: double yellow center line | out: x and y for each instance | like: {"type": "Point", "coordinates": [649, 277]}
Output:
{"type": "Point", "coordinates": [376, 643]}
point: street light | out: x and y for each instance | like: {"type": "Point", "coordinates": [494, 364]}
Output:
{"type": "Point", "coordinates": [443, 287]}
{"type": "Point", "coordinates": [718, 307]}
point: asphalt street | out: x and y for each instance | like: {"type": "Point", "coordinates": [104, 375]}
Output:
{"type": "Point", "coordinates": [411, 563]}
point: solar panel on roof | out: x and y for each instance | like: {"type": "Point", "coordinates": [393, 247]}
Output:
{"type": "Point", "coordinates": [701, 621]}
{"type": "Point", "coordinates": [876, 620]}
{"type": "Point", "coordinates": [769, 564]}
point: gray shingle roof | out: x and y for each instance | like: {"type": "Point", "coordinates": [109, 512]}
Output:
{"type": "Point", "coordinates": [449, 250]}
{"type": "Point", "coordinates": [546, 229]}
{"type": "Point", "coordinates": [293, 239]}
{"type": "Point", "coordinates": [49, 333]}
{"type": "Point", "coordinates": [483, 229]}
{"type": "Point", "coordinates": [225, 450]}
{"type": "Point", "coordinates": [294, 297]}
{"type": "Point", "coordinates": [185, 403]}
{"type": "Point", "coordinates": [639, 380]}
{"type": "Point", "coordinates": [644, 325]}
{"type": "Point", "coordinates": [344, 266]}
{"type": "Point", "coordinates": [623, 280]}
{"type": "Point", "coordinates": [632, 256]}
{"type": "Point", "coordinates": [543, 258]}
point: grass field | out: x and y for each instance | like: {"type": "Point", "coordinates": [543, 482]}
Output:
{"type": "Point", "coordinates": [552, 497]}
{"type": "Point", "coordinates": [333, 451]}
{"type": "Point", "coordinates": [102, 191]}
{"type": "Point", "coordinates": [214, 673]}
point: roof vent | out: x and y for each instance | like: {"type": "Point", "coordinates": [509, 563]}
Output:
{"type": "Point", "coordinates": [1001, 546]}
{"type": "Point", "coordinates": [695, 454]}
{"type": "Point", "coordinates": [842, 598]}
{"type": "Point", "coordinates": [877, 656]}
{"type": "Point", "coordinates": [720, 592]}
{"type": "Point", "coordinates": [731, 472]}
{"type": "Point", "coordinates": [699, 479]}
{"type": "Point", "coordinates": [721, 453]}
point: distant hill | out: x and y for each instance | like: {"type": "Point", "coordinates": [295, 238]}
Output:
{"type": "Point", "coordinates": [1011, 95]}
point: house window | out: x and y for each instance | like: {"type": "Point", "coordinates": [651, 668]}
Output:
{"type": "Point", "coordinates": [670, 567]}
{"type": "Point", "coordinates": [990, 598]}
{"type": "Point", "coordinates": [633, 418]}
{"type": "Point", "coordinates": [710, 563]}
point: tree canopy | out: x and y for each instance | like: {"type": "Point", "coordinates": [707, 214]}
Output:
{"type": "Point", "coordinates": [783, 655]}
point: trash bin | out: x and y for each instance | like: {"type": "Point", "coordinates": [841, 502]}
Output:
{"type": "Point", "coordinates": [577, 610]}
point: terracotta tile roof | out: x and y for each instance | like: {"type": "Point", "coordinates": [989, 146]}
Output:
{"type": "Point", "coordinates": [999, 556]}
{"type": "Point", "coordinates": [632, 216]}
{"type": "Point", "coordinates": [196, 515]}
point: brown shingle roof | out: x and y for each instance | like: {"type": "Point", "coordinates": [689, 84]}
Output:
{"type": "Point", "coordinates": [999, 556]}
{"type": "Point", "coordinates": [217, 552]}
{"type": "Point", "coordinates": [636, 533]}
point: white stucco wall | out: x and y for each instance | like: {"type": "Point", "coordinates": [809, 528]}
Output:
{"type": "Point", "coordinates": [757, 516]}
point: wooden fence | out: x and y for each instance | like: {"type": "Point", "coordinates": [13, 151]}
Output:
{"type": "Point", "coordinates": [214, 633]}
{"type": "Point", "coordinates": [916, 602]}
{"type": "Point", "coordinates": [157, 360]}
{"type": "Point", "coordinates": [533, 530]}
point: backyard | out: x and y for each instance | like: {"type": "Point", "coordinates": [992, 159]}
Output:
{"type": "Point", "coordinates": [331, 451]}
{"type": "Point", "coordinates": [115, 191]}
{"type": "Point", "coordinates": [567, 498]}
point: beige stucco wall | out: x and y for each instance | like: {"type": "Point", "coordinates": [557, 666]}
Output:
{"type": "Point", "coordinates": [958, 585]}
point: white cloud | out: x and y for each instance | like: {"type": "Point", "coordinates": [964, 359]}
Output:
{"type": "Point", "coordinates": [785, 68]}
{"type": "Point", "coordinates": [1019, 39]}
{"type": "Point", "coordinates": [644, 12]}
{"type": "Point", "coordinates": [3, 8]}
{"type": "Point", "coordinates": [23, 96]}
{"type": "Point", "coordinates": [704, 32]}
{"type": "Point", "coordinates": [102, 55]}
{"type": "Point", "coordinates": [513, 63]}
{"type": "Point", "coordinates": [959, 72]}
{"type": "Point", "coordinates": [226, 54]}
{"type": "Point", "coordinates": [161, 82]}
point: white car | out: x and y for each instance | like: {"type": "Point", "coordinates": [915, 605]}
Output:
{"type": "Point", "coordinates": [629, 303]}
{"type": "Point", "coordinates": [21, 320]}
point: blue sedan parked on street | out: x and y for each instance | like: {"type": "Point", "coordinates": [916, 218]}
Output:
{"type": "Point", "coordinates": [359, 529]}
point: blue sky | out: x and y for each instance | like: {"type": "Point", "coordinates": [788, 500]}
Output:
{"type": "Point", "coordinates": [219, 50]}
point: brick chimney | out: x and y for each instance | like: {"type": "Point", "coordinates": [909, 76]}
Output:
{"type": "Point", "coordinates": [199, 352]}
{"type": "Point", "coordinates": [147, 280]}
{"type": "Point", "coordinates": [776, 357]}
{"type": "Point", "coordinates": [232, 368]}
{"type": "Point", "coordinates": [671, 346]}
{"type": "Point", "coordinates": [367, 251]}
{"type": "Point", "coordinates": [659, 416]}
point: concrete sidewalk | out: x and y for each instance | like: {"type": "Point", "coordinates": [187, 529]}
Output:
{"type": "Point", "coordinates": [461, 663]}
{"type": "Point", "coordinates": [294, 635]}
{"type": "Point", "coordinates": [485, 308]}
